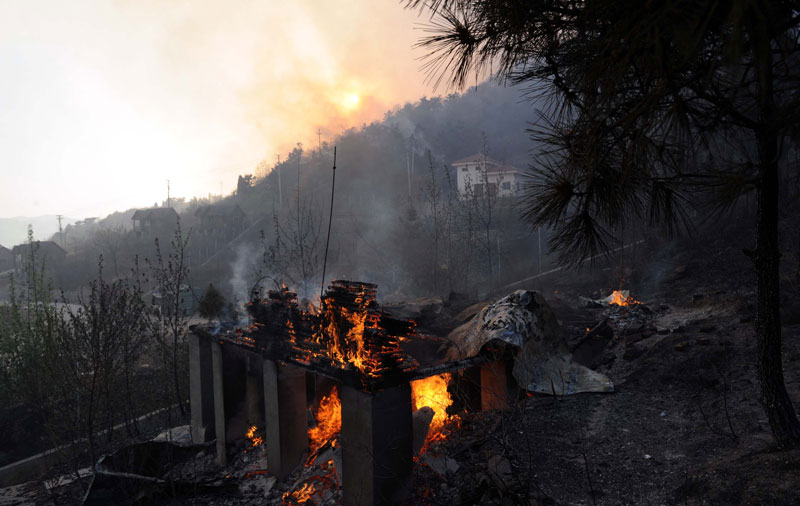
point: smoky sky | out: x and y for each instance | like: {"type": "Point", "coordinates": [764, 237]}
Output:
{"type": "Point", "coordinates": [102, 101]}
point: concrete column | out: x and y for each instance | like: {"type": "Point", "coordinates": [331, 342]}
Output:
{"type": "Point", "coordinates": [254, 394]}
{"type": "Point", "coordinates": [219, 402]}
{"type": "Point", "coordinates": [285, 418]}
{"type": "Point", "coordinates": [201, 389]}
{"type": "Point", "coordinates": [376, 445]}
{"type": "Point", "coordinates": [496, 385]}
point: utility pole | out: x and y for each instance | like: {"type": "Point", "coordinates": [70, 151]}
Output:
{"type": "Point", "coordinates": [280, 189]}
{"type": "Point", "coordinates": [319, 139]}
{"type": "Point", "coordinates": [408, 174]}
{"type": "Point", "coordinates": [168, 202]}
{"type": "Point", "coordinates": [60, 231]}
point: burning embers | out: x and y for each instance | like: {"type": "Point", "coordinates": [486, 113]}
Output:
{"type": "Point", "coordinates": [620, 298]}
{"type": "Point", "coordinates": [348, 333]}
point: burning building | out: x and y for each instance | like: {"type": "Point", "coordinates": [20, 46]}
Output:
{"type": "Point", "coordinates": [369, 378]}
{"type": "Point", "coordinates": [363, 371]}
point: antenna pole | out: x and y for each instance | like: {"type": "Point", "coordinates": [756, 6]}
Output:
{"type": "Point", "coordinates": [60, 232]}
{"type": "Point", "coordinates": [330, 220]}
{"type": "Point", "coordinates": [280, 187]}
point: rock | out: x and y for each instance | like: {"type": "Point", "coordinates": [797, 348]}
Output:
{"type": "Point", "coordinates": [441, 464]}
{"type": "Point", "coordinates": [682, 346]}
{"type": "Point", "coordinates": [707, 327]}
{"type": "Point", "coordinates": [525, 321]}
{"type": "Point", "coordinates": [500, 471]}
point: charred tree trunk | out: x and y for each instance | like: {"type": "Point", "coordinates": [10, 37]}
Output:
{"type": "Point", "coordinates": [774, 398]}
{"type": "Point", "coordinates": [782, 418]}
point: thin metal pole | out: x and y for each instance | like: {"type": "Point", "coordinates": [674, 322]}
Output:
{"type": "Point", "coordinates": [330, 220]}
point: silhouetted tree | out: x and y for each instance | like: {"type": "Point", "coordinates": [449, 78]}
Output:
{"type": "Point", "coordinates": [652, 106]}
{"type": "Point", "coordinates": [212, 303]}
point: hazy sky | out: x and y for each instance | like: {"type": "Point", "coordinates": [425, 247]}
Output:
{"type": "Point", "coordinates": [102, 101]}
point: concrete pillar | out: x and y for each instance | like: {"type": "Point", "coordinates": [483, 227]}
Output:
{"type": "Point", "coordinates": [219, 402]}
{"type": "Point", "coordinates": [496, 385]}
{"type": "Point", "coordinates": [285, 418]}
{"type": "Point", "coordinates": [201, 389]}
{"type": "Point", "coordinates": [376, 445]}
{"type": "Point", "coordinates": [254, 393]}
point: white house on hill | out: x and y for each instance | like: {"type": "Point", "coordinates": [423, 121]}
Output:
{"type": "Point", "coordinates": [478, 173]}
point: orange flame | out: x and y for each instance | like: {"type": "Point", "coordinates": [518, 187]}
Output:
{"type": "Point", "coordinates": [329, 422]}
{"type": "Point", "coordinates": [432, 392]}
{"type": "Point", "coordinates": [254, 440]}
{"type": "Point", "coordinates": [308, 489]}
{"type": "Point", "coordinates": [620, 299]}
{"type": "Point", "coordinates": [301, 495]}
{"type": "Point", "coordinates": [344, 330]}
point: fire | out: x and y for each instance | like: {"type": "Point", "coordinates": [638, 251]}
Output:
{"type": "Point", "coordinates": [432, 392]}
{"type": "Point", "coordinates": [621, 298]}
{"type": "Point", "coordinates": [301, 495]}
{"type": "Point", "coordinates": [329, 422]}
{"type": "Point", "coordinates": [308, 490]}
{"type": "Point", "coordinates": [254, 440]}
{"type": "Point", "coordinates": [348, 330]}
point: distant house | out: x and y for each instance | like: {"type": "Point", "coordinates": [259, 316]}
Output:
{"type": "Point", "coordinates": [52, 254]}
{"type": "Point", "coordinates": [188, 300]}
{"type": "Point", "coordinates": [154, 220]}
{"type": "Point", "coordinates": [478, 174]}
{"type": "Point", "coordinates": [221, 220]}
{"type": "Point", "coordinates": [6, 259]}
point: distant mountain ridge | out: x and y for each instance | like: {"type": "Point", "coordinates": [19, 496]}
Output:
{"type": "Point", "coordinates": [14, 231]}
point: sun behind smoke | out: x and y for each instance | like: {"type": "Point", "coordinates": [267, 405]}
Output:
{"type": "Point", "coordinates": [351, 101]}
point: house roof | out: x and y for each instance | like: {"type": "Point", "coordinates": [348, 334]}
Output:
{"type": "Point", "coordinates": [45, 248]}
{"type": "Point", "coordinates": [222, 210]}
{"type": "Point", "coordinates": [476, 158]}
{"type": "Point", "coordinates": [155, 214]}
{"type": "Point", "coordinates": [3, 249]}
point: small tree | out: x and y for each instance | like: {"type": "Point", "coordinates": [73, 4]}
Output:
{"type": "Point", "coordinates": [212, 303]}
{"type": "Point", "coordinates": [168, 324]}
